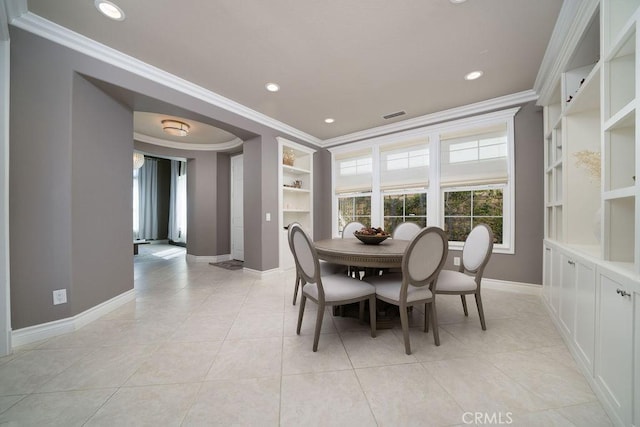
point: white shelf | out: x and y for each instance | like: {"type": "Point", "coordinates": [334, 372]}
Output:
{"type": "Point", "coordinates": [625, 117]}
{"type": "Point", "coordinates": [619, 193]}
{"type": "Point", "coordinates": [296, 211]}
{"type": "Point", "coordinates": [295, 170]}
{"type": "Point", "coordinates": [296, 190]}
{"type": "Point", "coordinates": [587, 96]}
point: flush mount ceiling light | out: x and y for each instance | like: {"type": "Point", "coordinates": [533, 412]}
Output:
{"type": "Point", "coordinates": [473, 75]}
{"type": "Point", "coordinates": [110, 10]}
{"type": "Point", "coordinates": [138, 160]}
{"type": "Point", "coordinates": [175, 127]}
{"type": "Point", "coordinates": [329, 120]}
{"type": "Point", "coordinates": [272, 87]}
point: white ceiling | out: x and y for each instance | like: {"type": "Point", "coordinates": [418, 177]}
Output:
{"type": "Point", "coordinates": [354, 60]}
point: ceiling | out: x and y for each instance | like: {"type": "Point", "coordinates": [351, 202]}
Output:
{"type": "Point", "coordinates": [353, 61]}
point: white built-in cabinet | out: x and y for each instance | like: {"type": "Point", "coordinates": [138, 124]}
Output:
{"type": "Point", "coordinates": [295, 193]}
{"type": "Point", "coordinates": [592, 202]}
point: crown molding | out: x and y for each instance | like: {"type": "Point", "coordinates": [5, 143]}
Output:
{"type": "Point", "coordinates": [439, 117]}
{"type": "Point", "coordinates": [63, 36]}
{"type": "Point", "coordinates": [569, 29]}
{"type": "Point", "coordinates": [236, 142]}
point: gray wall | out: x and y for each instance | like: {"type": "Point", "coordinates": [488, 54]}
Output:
{"type": "Point", "coordinates": [208, 198]}
{"type": "Point", "coordinates": [101, 221]}
{"type": "Point", "coordinates": [322, 212]}
{"type": "Point", "coordinates": [526, 264]}
{"type": "Point", "coordinates": [260, 189]}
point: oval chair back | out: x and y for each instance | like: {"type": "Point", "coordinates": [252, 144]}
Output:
{"type": "Point", "coordinates": [306, 258]}
{"type": "Point", "coordinates": [406, 231]}
{"type": "Point", "coordinates": [477, 249]}
{"type": "Point", "coordinates": [350, 228]}
{"type": "Point", "coordinates": [423, 259]}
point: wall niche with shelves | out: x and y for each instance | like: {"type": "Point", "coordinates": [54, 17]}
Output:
{"type": "Point", "coordinates": [295, 195]}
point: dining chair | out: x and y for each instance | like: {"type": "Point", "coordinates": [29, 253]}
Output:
{"type": "Point", "coordinates": [475, 255]}
{"type": "Point", "coordinates": [405, 231]}
{"type": "Point", "coordinates": [326, 268]}
{"type": "Point", "coordinates": [350, 228]}
{"type": "Point", "coordinates": [330, 290]}
{"type": "Point", "coordinates": [421, 264]}
{"type": "Point", "coordinates": [347, 233]}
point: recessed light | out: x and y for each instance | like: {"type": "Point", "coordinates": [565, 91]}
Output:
{"type": "Point", "coordinates": [272, 87]}
{"type": "Point", "coordinates": [457, 1]}
{"type": "Point", "coordinates": [329, 120]}
{"type": "Point", "coordinates": [473, 75]}
{"type": "Point", "coordinates": [110, 10]}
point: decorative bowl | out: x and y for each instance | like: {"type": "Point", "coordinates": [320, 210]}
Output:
{"type": "Point", "coordinates": [371, 239]}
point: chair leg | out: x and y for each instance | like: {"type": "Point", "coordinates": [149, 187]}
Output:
{"type": "Point", "coordinates": [480, 311]}
{"type": "Point", "coordinates": [372, 315]}
{"type": "Point", "coordinates": [404, 320]}
{"type": "Point", "coordinates": [303, 301]}
{"type": "Point", "coordinates": [316, 336]}
{"type": "Point", "coordinates": [464, 305]}
{"type": "Point", "coordinates": [434, 321]}
{"type": "Point", "coordinates": [427, 312]}
{"type": "Point", "coordinates": [295, 290]}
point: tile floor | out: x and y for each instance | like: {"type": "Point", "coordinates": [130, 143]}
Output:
{"type": "Point", "coordinates": [201, 345]}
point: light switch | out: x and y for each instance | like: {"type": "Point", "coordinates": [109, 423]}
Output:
{"type": "Point", "coordinates": [267, 216]}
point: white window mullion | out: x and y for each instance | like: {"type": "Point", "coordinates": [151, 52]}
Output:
{"type": "Point", "coordinates": [376, 199]}
{"type": "Point", "coordinates": [434, 198]}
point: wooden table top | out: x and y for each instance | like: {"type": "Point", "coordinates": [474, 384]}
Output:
{"type": "Point", "coordinates": [355, 253]}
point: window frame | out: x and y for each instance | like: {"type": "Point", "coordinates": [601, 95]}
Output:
{"type": "Point", "coordinates": [435, 192]}
{"type": "Point", "coordinates": [503, 247]}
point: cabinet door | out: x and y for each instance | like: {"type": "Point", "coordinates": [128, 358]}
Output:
{"type": "Point", "coordinates": [614, 353]}
{"type": "Point", "coordinates": [546, 277]}
{"type": "Point", "coordinates": [585, 325]}
{"type": "Point", "coordinates": [568, 294]}
{"type": "Point", "coordinates": [556, 281]}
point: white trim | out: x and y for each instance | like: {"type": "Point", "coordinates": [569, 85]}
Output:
{"type": "Point", "coordinates": [4, 22]}
{"type": "Point", "coordinates": [570, 28]}
{"type": "Point", "coordinates": [43, 331]}
{"type": "Point", "coordinates": [5, 251]}
{"type": "Point", "coordinates": [509, 286]}
{"type": "Point", "coordinates": [434, 118]}
{"type": "Point", "coordinates": [236, 142]}
{"type": "Point", "coordinates": [262, 274]}
{"type": "Point", "coordinates": [476, 121]}
{"type": "Point", "coordinates": [213, 258]}
{"type": "Point", "coordinates": [65, 37]}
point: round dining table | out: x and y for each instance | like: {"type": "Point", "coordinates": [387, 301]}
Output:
{"type": "Point", "coordinates": [352, 252]}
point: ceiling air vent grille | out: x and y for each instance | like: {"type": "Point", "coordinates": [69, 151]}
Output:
{"type": "Point", "coordinates": [392, 115]}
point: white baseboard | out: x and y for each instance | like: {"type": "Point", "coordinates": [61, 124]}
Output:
{"type": "Point", "coordinates": [213, 258]}
{"type": "Point", "coordinates": [262, 274]}
{"type": "Point", "coordinates": [47, 330]}
{"type": "Point", "coordinates": [508, 286]}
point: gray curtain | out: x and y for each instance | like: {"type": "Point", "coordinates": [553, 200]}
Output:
{"type": "Point", "coordinates": [176, 233]}
{"type": "Point", "coordinates": [148, 198]}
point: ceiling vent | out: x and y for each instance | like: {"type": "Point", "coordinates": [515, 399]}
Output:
{"type": "Point", "coordinates": [392, 115]}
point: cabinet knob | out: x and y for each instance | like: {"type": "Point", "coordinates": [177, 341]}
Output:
{"type": "Point", "coordinates": [623, 293]}
{"type": "Point", "coordinates": [571, 262]}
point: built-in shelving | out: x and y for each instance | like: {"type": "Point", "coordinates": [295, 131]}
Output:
{"type": "Point", "coordinates": [592, 202]}
{"type": "Point", "coordinates": [295, 180]}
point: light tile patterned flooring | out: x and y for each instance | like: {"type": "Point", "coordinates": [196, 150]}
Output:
{"type": "Point", "coordinates": [201, 345]}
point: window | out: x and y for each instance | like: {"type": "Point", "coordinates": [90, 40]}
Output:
{"type": "Point", "coordinates": [404, 207]}
{"type": "Point", "coordinates": [453, 175]}
{"type": "Point", "coordinates": [353, 187]}
{"type": "Point", "coordinates": [355, 207]}
{"type": "Point", "coordinates": [464, 209]}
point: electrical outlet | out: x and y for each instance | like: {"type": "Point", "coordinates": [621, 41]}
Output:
{"type": "Point", "coordinates": [456, 260]}
{"type": "Point", "coordinates": [59, 296]}
{"type": "Point", "coordinates": [267, 216]}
